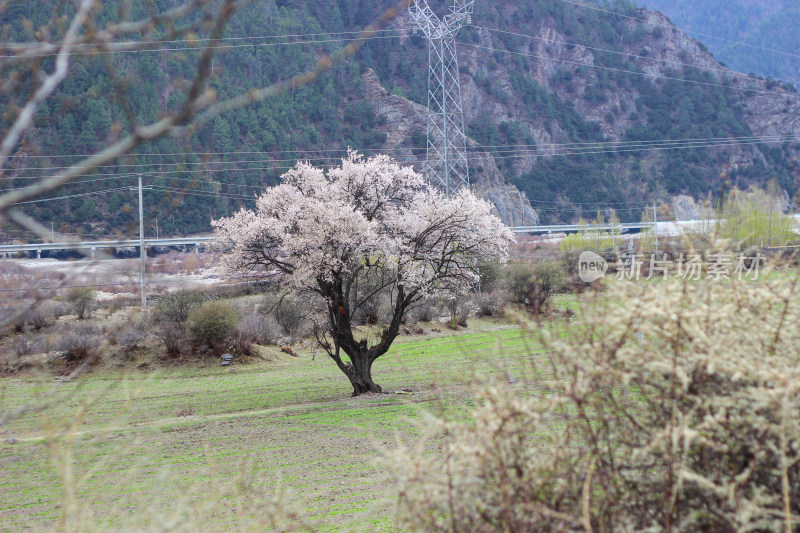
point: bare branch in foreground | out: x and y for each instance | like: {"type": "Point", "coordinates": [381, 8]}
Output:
{"type": "Point", "coordinates": [25, 118]}
{"type": "Point", "coordinates": [200, 99]}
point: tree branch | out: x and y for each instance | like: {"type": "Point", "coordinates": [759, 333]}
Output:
{"type": "Point", "coordinates": [25, 118]}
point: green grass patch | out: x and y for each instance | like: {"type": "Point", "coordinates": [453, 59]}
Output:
{"type": "Point", "coordinates": [289, 423]}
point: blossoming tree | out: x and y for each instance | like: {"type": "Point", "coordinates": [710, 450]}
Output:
{"type": "Point", "coordinates": [369, 219]}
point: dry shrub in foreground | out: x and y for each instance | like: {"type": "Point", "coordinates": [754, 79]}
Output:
{"type": "Point", "coordinates": [674, 408]}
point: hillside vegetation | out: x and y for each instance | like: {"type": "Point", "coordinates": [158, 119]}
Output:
{"type": "Point", "coordinates": [544, 85]}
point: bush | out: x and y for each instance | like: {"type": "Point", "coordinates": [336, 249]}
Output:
{"type": "Point", "coordinates": [173, 336]}
{"type": "Point", "coordinates": [212, 323]}
{"type": "Point", "coordinates": [756, 218]}
{"type": "Point", "coordinates": [371, 311]}
{"type": "Point", "coordinates": [132, 337]}
{"type": "Point", "coordinates": [590, 238]}
{"type": "Point", "coordinates": [176, 306]}
{"type": "Point", "coordinates": [83, 301]}
{"type": "Point", "coordinates": [259, 329]}
{"type": "Point", "coordinates": [532, 284]}
{"type": "Point", "coordinates": [459, 309]}
{"type": "Point", "coordinates": [290, 316]}
{"type": "Point", "coordinates": [490, 275]}
{"type": "Point", "coordinates": [25, 345]}
{"type": "Point", "coordinates": [79, 343]}
{"type": "Point", "coordinates": [425, 311]}
{"type": "Point", "coordinates": [679, 409]}
{"type": "Point", "coordinates": [32, 320]}
{"type": "Point", "coordinates": [491, 304]}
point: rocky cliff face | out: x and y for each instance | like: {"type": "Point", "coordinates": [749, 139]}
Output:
{"type": "Point", "coordinates": [403, 118]}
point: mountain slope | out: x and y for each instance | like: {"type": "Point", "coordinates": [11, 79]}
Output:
{"type": "Point", "coordinates": [558, 74]}
{"type": "Point", "coordinates": [762, 25]}
{"type": "Point", "coordinates": [540, 80]}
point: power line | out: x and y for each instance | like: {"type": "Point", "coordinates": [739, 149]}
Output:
{"type": "Point", "coordinates": [546, 149]}
{"type": "Point", "coordinates": [214, 194]}
{"type": "Point", "coordinates": [33, 46]}
{"type": "Point", "coordinates": [388, 151]}
{"type": "Point", "coordinates": [94, 180]}
{"type": "Point", "coordinates": [567, 205]}
{"type": "Point", "coordinates": [614, 69]}
{"type": "Point", "coordinates": [357, 32]}
{"type": "Point", "coordinates": [205, 193]}
{"type": "Point", "coordinates": [628, 54]}
{"type": "Point", "coordinates": [599, 149]}
{"type": "Point", "coordinates": [579, 209]}
{"type": "Point", "coordinates": [214, 47]}
{"type": "Point", "coordinates": [601, 204]}
{"type": "Point", "coordinates": [69, 196]}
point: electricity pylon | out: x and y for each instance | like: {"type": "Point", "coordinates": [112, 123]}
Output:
{"type": "Point", "coordinates": [446, 166]}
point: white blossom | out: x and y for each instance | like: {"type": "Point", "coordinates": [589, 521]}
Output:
{"type": "Point", "coordinates": [369, 219]}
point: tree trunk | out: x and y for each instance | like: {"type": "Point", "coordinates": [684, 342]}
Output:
{"type": "Point", "coordinates": [360, 375]}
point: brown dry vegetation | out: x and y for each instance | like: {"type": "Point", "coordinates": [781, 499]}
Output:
{"type": "Point", "coordinates": [675, 408]}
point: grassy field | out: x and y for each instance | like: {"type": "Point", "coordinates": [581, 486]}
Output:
{"type": "Point", "coordinates": [147, 441]}
{"type": "Point", "coordinates": [122, 447]}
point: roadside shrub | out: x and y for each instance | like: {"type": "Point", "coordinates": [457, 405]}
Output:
{"type": "Point", "coordinates": [238, 290]}
{"type": "Point", "coordinates": [247, 306]}
{"type": "Point", "coordinates": [491, 273]}
{"type": "Point", "coordinates": [519, 280]}
{"type": "Point", "coordinates": [532, 284]}
{"type": "Point", "coordinates": [240, 345]}
{"type": "Point", "coordinates": [55, 309]}
{"type": "Point", "coordinates": [177, 306]}
{"type": "Point", "coordinates": [79, 343]}
{"type": "Point", "coordinates": [677, 410]}
{"type": "Point", "coordinates": [83, 301]}
{"type": "Point", "coordinates": [212, 322]}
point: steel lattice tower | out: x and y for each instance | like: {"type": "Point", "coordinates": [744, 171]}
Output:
{"type": "Point", "coordinates": [446, 166]}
